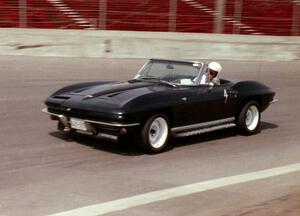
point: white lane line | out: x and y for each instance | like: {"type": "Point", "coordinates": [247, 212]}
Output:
{"type": "Point", "coordinates": [142, 199]}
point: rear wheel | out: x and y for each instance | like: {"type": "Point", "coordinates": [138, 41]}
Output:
{"type": "Point", "coordinates": [155, 134]}
{"type": "Point", "coordinates": [249, 118]}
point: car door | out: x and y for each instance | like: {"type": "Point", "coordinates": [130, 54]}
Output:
{"type": "Point", "coordinates": [186, 107]}
{"type": "Point", "coordinates": [219, 102]}
{"type": "Point", "coordinates": [203, 104]}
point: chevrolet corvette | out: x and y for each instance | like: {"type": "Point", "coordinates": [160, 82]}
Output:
{"type": "Point", "coordinates": [164, 99]}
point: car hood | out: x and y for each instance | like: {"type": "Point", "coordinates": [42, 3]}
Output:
{"type": "Point", "coordinates": [112, 97]}
{"type": "Point", "coordinates": [113, 89]}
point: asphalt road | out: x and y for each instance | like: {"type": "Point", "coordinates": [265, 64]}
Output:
{"type": "Point", "coordinates": [43, 171]}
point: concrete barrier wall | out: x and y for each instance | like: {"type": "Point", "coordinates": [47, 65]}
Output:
{"type": "Point", "coordinates": [124, 44]}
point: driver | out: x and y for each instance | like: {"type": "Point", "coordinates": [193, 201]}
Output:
{"type": "Point", "coordinates": [211, 77]}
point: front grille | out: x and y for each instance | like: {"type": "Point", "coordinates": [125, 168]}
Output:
{"type": "Point", "coordinates": [82, 114]}
{"type": "Point", "coordinates": [56, 110]}
{"type": "Point", "coordinates": [61, 97]}
{"type": "Point", "coordinates": [106, 129]}
{"type": "Point", "coordinates": [90, 115]}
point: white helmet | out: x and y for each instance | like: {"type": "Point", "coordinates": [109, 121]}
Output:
{"type": "Point", "coordinates": [215, 66]}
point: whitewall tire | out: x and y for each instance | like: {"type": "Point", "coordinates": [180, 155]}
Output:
{"type": "Point", "coordinates": [155, 133]}
{"type": "Point", "coordinates": [249, 118]}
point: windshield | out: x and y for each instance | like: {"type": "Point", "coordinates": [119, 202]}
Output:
{"type": "Point", "coordinates": [180, 73]}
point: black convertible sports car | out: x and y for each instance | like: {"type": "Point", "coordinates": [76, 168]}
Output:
{"type": "Point", "coordinates": [164, 99]}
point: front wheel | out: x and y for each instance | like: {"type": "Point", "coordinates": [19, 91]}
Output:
{"type": "Point", "coordinates": [249, 118]}
{"type": "Point", "coordinates": [155, 134]}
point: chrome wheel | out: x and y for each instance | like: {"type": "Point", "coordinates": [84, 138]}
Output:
{"type": "Point", "coordinates": [252, 118]}
{"type": "Point", "coordinates": [158, 132]}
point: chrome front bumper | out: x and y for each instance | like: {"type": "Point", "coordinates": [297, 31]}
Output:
{"type": "Point", "coordinates": [62, 118]}
{"type": "Point", "coordinates": [273, 101]}
{"type": "Point", "coordinates": [65, 121]}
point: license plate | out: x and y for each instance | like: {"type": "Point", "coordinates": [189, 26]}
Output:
{"type": "Point", "coordinates": [78, 124]}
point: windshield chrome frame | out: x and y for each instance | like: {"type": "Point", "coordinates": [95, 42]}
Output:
{"type": "Point", "coordinates": [201, 71]}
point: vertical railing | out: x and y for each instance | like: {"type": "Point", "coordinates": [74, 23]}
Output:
{"type": "Point", "coordinates": [238, 5]}
{"type": "Point", "coordinates": [172, 15]}
{"type": "Point", "coordinates": [296, 19]}
{"type": "Point", "coordinates": [218, 24]}
{"type": "Point", "coordinates": [22, 13]}
{"type": "Point", "coordinates": [102, 14]}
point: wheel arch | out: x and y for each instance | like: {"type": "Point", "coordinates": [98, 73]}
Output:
{"type": "Point", "coordinates": [166, 111]}
{"type": "Point", "coordinates": [251, 126]}
{"type": "Point", "coordinates": [257, 98]}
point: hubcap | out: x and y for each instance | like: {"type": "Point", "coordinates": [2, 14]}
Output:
{"type": "Point", "coordinates": [158, 132]}
{"type": "Point", "coordinates": [252, 117]}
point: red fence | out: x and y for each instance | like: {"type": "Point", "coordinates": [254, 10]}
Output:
{"type": "Point", "coordinates": [267, 17]}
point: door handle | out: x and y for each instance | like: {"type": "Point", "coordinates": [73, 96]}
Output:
{"type": "Point", "coordinates": [232, 92]}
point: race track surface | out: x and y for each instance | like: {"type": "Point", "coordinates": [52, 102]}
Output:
{"type": "Point", "coordinates": [43, 171]}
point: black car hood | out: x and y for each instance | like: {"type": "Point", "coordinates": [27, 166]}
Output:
{"type": "Point", "coordinates": [112, 89]}
{"type": "Point", "coordinates": [112, 97]}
